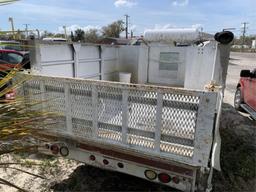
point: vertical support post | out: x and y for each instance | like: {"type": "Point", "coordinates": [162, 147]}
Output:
{"type": "Point", "coordinates": [95, 111]}
{"type": "Point", "coordinates": [76, 51]}
{"type": "Point", "coordinates": [100, 62]}
{"type": "Point", "coordinates": [124, 115]}
{"type": "Point", "coordinates": [68, 108]}
{"type": "Point", "coordinates": [158, 127]}
{"type": "Point", "coordinates": [204, 128]}
{"type": "Point", "coordinates": [42, 93]}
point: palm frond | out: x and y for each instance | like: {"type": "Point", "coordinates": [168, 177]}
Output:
{"type": "Point", "coordinates": [6, 2]}
{"type": "Point", "coordinates": [21, 120]}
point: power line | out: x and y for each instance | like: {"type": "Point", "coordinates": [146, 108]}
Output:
{"type": "Point", "coordinates": [127, 25]}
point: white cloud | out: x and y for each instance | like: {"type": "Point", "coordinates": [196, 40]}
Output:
{"type": "Point", "coordinates": [180, 2]}
{"type": "Point", "coordinates": [197, 26]}
{"type": "Point", "coordinates": [125, 3]}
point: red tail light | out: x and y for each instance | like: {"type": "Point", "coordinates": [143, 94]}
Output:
{"type": "Point", "coordinates": [92, 158]}
{"type": "Point", "coordinates": [10, 95]}
{"type": "Point", "coordinates": [105, 161]}
{"type": "Point", "coordinates": [164, 178]}
{"type": "Point", "coordinates": [55, 149]}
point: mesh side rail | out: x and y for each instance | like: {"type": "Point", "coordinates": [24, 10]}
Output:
{"type": "Point", "coordinates": [173, 123]}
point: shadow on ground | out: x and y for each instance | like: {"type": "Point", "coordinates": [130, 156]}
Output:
{"type": "Point", "coordinates": [238, 153]}
{"type": "Point", "coordinates": [238, 163]}
{"type": "Point", "coordinates": [87, 178]}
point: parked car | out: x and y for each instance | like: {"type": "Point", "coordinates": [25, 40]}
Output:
{"type": "Point", "coordinates": [8, 60]}
{"type": "Point", "coordinates": [245, 96]}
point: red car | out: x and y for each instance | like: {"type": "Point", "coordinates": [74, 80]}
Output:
{"type": "Point", "coordinates": [8, 60]}
{"type": "Point", "coordinates": [245, 96]}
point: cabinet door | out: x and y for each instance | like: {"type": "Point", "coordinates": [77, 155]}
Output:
{"type": "Point", "coordinates": [167, 66]}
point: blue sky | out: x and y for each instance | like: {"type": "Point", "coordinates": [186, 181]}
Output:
{"type": "Point", "coordinates": [51, 15]}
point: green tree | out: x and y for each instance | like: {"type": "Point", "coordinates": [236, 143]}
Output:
{"type": "Point", "coordinates": [247, 40]}
{"type": "Point", "coordinates": [79, 35]}
{"type": "Point", "coordinates": [114, 29]}
{"type": "Point", "coordinates": [47, 34]}
{"type": "Point", "coordinates": [91, 36]}
{"type": "Point", "coordinates": [72, 37]}
{"type": "Point", "coordinates": [60, 35]}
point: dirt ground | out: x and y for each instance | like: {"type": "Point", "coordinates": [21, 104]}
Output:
{"type": "Point", "coordinates": [238, 133]}
{"type": "Point", "coordinates": [238, 159]}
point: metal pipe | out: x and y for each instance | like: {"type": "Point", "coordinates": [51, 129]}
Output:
{"type": "Point", "coordinates": [214, 62]}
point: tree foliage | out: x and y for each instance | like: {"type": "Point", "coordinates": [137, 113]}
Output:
{"type": "Point", "coordinates": [114, 29]}
{"type": "Point", "coordinates": [91, 36]}
{"type": "Point", "coordinates": [79, 35]}
{"type": "Point", "coordinates": [247, 40]}
{"type": "Point", "coordinates": [47, 34]}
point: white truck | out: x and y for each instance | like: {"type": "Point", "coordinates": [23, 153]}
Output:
{"type": "Point", "coordinates": [163, 128]}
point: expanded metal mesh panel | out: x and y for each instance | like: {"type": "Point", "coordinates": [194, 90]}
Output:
{"type": "Point", "coordinates": [32, 90]}
{"type": "Point", "coordinates": [142, 110]}
{"type": "Point", "coordinates": [110, 105]}
{"type": "Point", "coordinates": [140, 141]}
{"type": "Point", "coordinates": [54, 96]}
{"type": "Point", "coordinates": [110, 135]}
{"type": "Point", "coordinates": [81, 101]}
{"type": "Point", "coordinates": [58, 125]}
{"type": "Point", "coordinates": [180, 120]}
{"type": "Point", "coordinates": [110, 113]}
{"type": "Point", "coordinates": [182, 98]}
{"type": "Point", "coordinates": [177, 149]}
{"type": "Point", "coordinates": [81, 127]}
{"type": "Point", "coordinates": [147, 119]}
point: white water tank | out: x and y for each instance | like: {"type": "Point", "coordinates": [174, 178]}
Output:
{"type": "Point", "coordinates": [181, 35]}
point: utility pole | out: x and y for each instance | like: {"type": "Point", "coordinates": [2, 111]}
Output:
{"type": "Point", "coordinates": [244, 32]}
{"type": "Point", "coordinates": [12, 26]}
{"type": "Point", "coordinates": [65, 32]}
{"type": "Point", "coordinates": [127, 24]}
{"type": "Point", "coordinates": [26, 29]}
